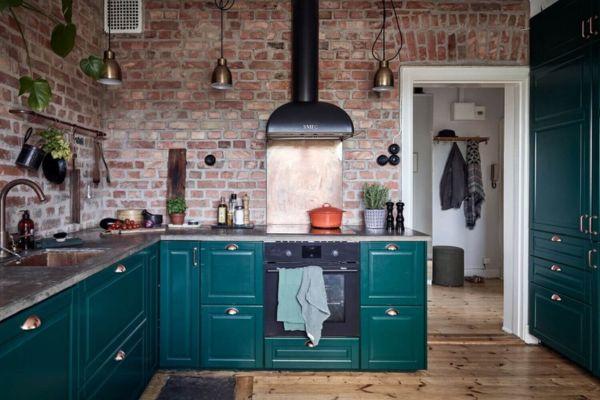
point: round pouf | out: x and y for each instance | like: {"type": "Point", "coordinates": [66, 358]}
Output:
{"type": "Point", "coordinates": [448, 266]}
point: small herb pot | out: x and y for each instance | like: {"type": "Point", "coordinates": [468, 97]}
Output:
{"type": "Point", "coordinates": [375, 219]}
{"type": "Point", "coordinates": [177, 219]}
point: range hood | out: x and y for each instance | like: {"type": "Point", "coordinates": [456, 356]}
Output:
{"type": "Point", "coordinates": [306, 117]}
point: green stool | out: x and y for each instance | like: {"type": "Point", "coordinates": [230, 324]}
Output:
{"type": "Point", "coordinates": [448, 266]}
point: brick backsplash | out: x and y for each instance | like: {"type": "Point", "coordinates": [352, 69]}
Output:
{"type": "Point", "coordinates": [76, 98]}
{"type": "Point", "coordinates": [166, 100]}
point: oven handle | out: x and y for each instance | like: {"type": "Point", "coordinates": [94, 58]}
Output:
{"type": "Point", "coordinates": [324, 271]}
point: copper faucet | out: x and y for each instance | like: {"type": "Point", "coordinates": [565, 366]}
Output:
{"type": "Point", "coordinates": [4, 235]}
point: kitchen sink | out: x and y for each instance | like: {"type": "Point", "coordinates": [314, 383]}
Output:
{"type": "Point", "coordinates": [55, 258]}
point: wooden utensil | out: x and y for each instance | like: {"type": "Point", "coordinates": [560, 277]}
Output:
{"type": "Point", "coordinates": [75, 191]}
{"type": "Point", "coordinates": [96, 168]}
{"type": "Point", "coordinates": [176, 173]}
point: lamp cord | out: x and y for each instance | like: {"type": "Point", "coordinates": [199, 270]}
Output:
{"type": "Point", "coordinates": [382, 32]}
{"type": "Point", "coordinates": [223, 5]}
{"type": "Point", "coordinates": [109, 22]}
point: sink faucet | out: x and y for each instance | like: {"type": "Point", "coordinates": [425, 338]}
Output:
{"type": "Point", "coordinates": [4, 235]}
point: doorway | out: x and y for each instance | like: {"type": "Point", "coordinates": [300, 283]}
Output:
{"type": "Point", "coordinates": [515, 196]}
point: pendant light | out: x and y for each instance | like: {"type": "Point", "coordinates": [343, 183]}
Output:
{"type": "Point", "coordinates": [384, 77]}
{"type": "Point", "coordinates": [111, 71]}
{"type": "Point", "coordinates": [221, 76]}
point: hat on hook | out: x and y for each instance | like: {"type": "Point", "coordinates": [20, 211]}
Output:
{"type": "Point", "coordinates": [446, 133]}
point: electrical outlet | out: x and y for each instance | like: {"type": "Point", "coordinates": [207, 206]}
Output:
{"type": "Point", "coordinates": [486, 261]}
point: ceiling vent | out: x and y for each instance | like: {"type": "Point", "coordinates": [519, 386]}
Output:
{"type": "Point", "coordinates": [126, 16]}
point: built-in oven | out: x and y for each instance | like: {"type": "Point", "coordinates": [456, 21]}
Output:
{"type": "Point", "coordinates": [340, 262]}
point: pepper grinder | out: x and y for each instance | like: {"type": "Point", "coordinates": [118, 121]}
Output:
{"type": "Point", "coordinates": [389, 225]}
{"type": "Point", "coordinates": [400, 217]}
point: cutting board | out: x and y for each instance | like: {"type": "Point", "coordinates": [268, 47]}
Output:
{"type": "Point", "coordinates": [133, 231]}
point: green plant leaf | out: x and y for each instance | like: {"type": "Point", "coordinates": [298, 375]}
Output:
{"type": "Point", "coordinates": [38, 90]}
{"type": "Point", "coordinates": [4, 4]}
{"type": "Point", "coordinates": [67, 10]}
{"type": "Point", "coordinates": [91, 66]}
{"type": "Point", "coordinates": [63, 39]}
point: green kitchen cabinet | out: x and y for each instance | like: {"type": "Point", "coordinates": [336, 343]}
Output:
{"type": "Point", "coordinates": [112, 304]}
{"type": "Point", "coordinates": [152, 329]}
{"type": "Point", "coordinates": [38, 351]}
{"type": "Point", "coordinates": [332, 353]}
{"type": "Point", "coordinates": [179, 304]}
{"type": "Point", "coordinates": [393, 338]}
{"type": "Point", "coordinates": [232, 337]}
{"type": "Point", "coordinates": [560, 174]}
{"type": "Point", "coordinates": [231, 273]}
{"type": "Point", "coordinates": [393, 273]}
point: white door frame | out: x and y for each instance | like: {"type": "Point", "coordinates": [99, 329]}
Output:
{"type": "Point", "coordinates": [515, 176]}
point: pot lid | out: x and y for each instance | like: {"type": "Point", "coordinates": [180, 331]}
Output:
{"type": "Point", "coordinates": [326, 209]}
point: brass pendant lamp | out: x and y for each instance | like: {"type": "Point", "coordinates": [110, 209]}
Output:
{"type": "Point", "coordinates": [221, 77]}
{"type": "Point", "coordinates": [384, 77]}
{"type": "Point", "coordinates": [110, 74]}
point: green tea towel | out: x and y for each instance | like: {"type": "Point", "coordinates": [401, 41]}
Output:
{"type": "Point", "coordinates": [313, 301]}
{"type": "Point", "coordinates": [288, 307]}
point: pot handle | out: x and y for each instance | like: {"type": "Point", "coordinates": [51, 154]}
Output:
{"type": "Point", "coordinates": [325, 205]}
{"type": "Point", "coordinates": [28, 135]}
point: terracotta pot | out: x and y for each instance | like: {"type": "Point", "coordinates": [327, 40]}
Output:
{"type": "Point", "coordinates": [326, 217]}
{"type": "Point", "coordinates": [177, 219]}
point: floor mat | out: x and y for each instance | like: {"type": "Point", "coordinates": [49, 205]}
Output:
{"type": "Point", "coordinates": [198, 388]}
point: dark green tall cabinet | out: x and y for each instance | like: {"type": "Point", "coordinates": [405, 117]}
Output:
{"type": "Point", "coordinates": [565, 180]}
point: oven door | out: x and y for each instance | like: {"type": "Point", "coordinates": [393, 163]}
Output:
{"type": "Point", "coordinates": [343, 295]}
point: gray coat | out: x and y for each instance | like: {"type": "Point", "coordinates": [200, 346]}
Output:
{"type": "Point", "coordinates": [453, 186]}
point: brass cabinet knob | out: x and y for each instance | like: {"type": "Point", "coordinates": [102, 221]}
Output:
{"type": "Point", "coordinates": [232, 311]}
{"type": "Point", "coordinates": [32, 322]}
{"type": "Point", "coordinates": [555, 268]}
{"type": "Point", "coordinates": [391, 247]}
{"type": "Point", "coordinates": [391, 312]}
{"type": "Point", "coordinates": [120, 269]}
{"type": "Point", "coordinates": [556, 239]}
{"type": "Point", "coordinates": [120, 356]}
{"type": "Point", "coordinates": [232, 247]}
{"type": "Point", "coordinates": [555, 297]}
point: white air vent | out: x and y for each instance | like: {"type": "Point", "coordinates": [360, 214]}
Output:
{"type": "Point", "coordinates": [126, 16]}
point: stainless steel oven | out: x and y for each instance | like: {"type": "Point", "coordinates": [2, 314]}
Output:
{"type": "Point", "coordinates": [341, 272]}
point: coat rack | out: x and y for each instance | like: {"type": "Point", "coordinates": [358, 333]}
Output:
{"type": "Point", "coordinates": [478, 139]}
{"type": "Point", "coordinates": [78, 129]}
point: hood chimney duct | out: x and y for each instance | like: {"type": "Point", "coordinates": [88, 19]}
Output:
{"type": "Point", "coordinates": [305, 50]}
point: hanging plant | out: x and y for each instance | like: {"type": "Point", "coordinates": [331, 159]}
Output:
{"type": "Point", "coordinates": [62, 42]}
{"type": "Point", "coordinates": [55, 144]}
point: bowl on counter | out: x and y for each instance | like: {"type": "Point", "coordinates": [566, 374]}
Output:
{"type": "Point", "coordinates": [132, 215]}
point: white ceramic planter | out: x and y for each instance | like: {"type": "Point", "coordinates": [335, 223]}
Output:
{"type": "Point", "coordinates": [374, 219]}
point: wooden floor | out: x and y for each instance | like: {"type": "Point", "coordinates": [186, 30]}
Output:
{"type": "Point", "coordinates": [469, 358]}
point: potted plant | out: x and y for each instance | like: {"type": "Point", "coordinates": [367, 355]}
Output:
{"type": "Point", "coordinates": [375, 196]}
{"type": "Point", "coordinates": [176, 209]}
{"type": "Point", "coordinates": [58, 152]}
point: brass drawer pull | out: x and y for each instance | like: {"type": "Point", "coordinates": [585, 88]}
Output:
{"type": "Point", "coordinates": [120, 356]}
{"type": "Point", "coordinates": [232, 311]}
{"type": "Point", "coordinates": [556, 239]}
{"type": "Point", "coordinates": [584, 34]}
{"type": "Point", "coordinates": [391, 312]}
{"type": "Point", "coordinates": [391, 247]}
{"type": "Point", "coordinates": [581, 228]}
{"type": "Point", "coordinates": [591, 254]}
{"type": "Point", "coordinates": [195, 257]}
{"type": "Point", "coordinates": [120, 269]}
{"type": "Point", "coordinates": [232, 247]}
{"type": "Point", "coordinates": [590, 229]}
{"type": "Point", "coordinates": [555, 297]}
{"type": "Point", "coordinates": [309, 344]}
{"type": "Point", "coordinates": [555, 268]}
{"type": "Point", "coordinates": [32, 322]}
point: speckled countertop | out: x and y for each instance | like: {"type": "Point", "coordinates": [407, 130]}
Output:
{"type": "Point", "coordinates": [22, 287]}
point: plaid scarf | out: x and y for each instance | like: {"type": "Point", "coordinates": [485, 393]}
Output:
{"type": "Point", "coordinates": [475, 193]}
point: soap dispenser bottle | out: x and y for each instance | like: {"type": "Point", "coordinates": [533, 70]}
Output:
{"type": "Point", "coordinates": [26, 229]}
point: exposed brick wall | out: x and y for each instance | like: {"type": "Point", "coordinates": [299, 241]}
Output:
{"type": "Point", "coordinates": [166, 101]}
{"type": "Point", "coordinates": [76, 98]}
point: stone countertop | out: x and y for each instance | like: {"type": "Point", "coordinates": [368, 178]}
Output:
{"type": "Point", "coordinates": [22, 287]}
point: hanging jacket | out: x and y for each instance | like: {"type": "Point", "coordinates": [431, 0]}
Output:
{"type": "Point", "coordinates": [475, 193]}
{"type": "Point", "coordinates": [453, 186]}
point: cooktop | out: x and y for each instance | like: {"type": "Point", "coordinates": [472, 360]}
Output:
{"type": "Point", "coordinates": [307, 230]}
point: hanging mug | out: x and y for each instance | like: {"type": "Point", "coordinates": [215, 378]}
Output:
{"type": "Point", "coordinates": [30, 156]}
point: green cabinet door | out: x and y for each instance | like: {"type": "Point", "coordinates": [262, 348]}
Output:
{"type": "Point", "coordinates": [393, 338]}
{"type": "Point", "coordinates": [393, 273]}
{"type": "Point", "coordinates": [112, 303]}
{"type": "Point", "coordinates": [232, 337]}
{"type": "Point", "coordinates": [547, 41]}
{"type": "Point", "coordinates": [332, 353]}
{"type": "Point", "coordinates": [40, 363]}
{"type": "Point", "coordinates": [562, 323]}
{"type": "Point", "coordinates": [232, 273]}
{"type": "Point", "coordinates": [560, 144]}
{"type": "Point", "coordinates": [179, 304]}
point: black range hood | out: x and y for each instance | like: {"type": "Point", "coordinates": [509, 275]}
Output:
{"type": "Point", "coordinates": [306, 117]}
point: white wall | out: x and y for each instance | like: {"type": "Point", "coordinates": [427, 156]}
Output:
{"type": "Point", "coordinates": [422, 131]}
{"type": "Point", "coordinates": [538, 5]}
{"type": "Point", "coordinates": [449, 226]}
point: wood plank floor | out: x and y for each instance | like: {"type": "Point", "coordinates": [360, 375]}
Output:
{"type": "Point", "coordinates": [463, 364]}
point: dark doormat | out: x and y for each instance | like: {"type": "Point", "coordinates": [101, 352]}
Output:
{"type": "Point", "coordinates": [198, 388]}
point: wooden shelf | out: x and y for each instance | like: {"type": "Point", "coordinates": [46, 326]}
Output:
{"type": "Point", "coordinates": [478, 139]}
{"type": "Point", "coordinates": [79, 129]}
